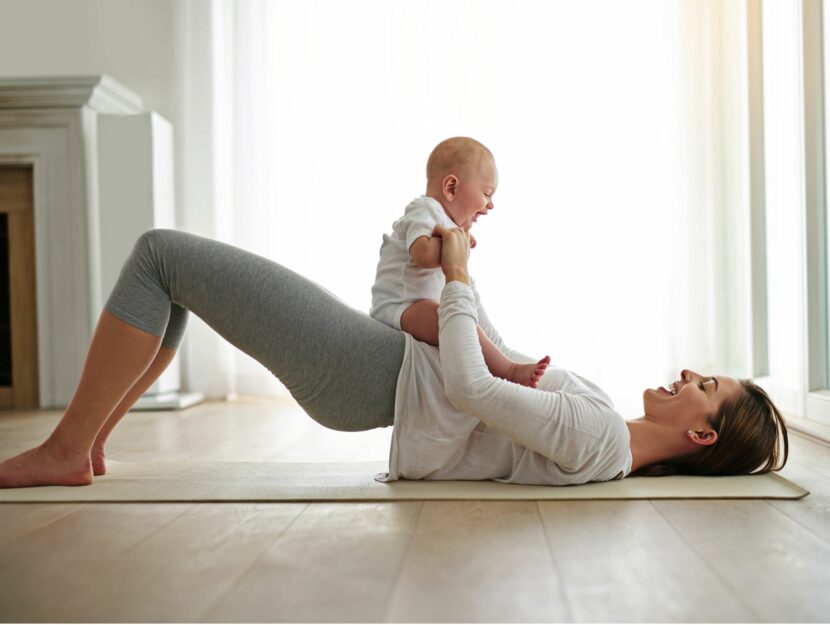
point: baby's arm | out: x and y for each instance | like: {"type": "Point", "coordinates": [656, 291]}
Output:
{"type": "Point", "coordinates": [426, 252]}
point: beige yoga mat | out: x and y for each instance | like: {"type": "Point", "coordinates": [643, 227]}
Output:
{"type": "Point", "coordinates": [344, 481]}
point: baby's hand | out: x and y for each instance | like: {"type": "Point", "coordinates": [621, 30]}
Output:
{"type": "Point", "coordinates": [455, 251]}
{"type": "Point", "coordinates": [472, 241]}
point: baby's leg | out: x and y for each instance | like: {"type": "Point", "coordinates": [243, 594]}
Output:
{"type": "Point", "coordinates": [421, 321]}
{"type": "Point", "coordinates": [501, 366]}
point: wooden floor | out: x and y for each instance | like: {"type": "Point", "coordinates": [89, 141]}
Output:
{"type": "Point", "coordinates": [701, 561]}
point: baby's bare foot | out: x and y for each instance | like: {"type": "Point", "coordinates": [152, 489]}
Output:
{"type": "Point", "coordinates": [41, 467]}
{"type": "Point", "coordinates": [99, 466]}
{"type": "Point", "coordinates": [529, 374]}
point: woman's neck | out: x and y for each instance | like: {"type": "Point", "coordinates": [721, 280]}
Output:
{"type": "Point", "coordinates": [651, 442]}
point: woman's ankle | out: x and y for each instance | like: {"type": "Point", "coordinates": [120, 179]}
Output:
{"type": "Point", "coordinates": [64, 451]}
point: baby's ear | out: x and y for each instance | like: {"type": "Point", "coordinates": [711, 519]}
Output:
{"type": "Point", "coordinates": [449, 186]}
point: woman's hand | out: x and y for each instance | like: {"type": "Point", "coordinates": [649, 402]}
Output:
{"type": "Point", "coordinates": [455, 250]}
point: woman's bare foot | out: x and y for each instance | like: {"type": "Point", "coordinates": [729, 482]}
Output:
{"type": "Point", "coordinates": [42, 467]}
{"type": "Point", "coordinates": [529, 374]}
{"type": "Point", "coordinates": [99, 466]}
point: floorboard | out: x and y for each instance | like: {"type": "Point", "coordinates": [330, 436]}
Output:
{"type": "Point", "coordinates": [41, 574]}
{"type": "Point", "coordinates": [184, 566]}
{"type": "Point", "coordinates": [772, 563]}
{"type": "Point", "coordinates": [18, 520]}
{"type": "Point", "coordinates": [483, 561]}
{"type": "Point", "coordinates": [446, 561]}
{"type": "Point", "coordinates": [336, 562]}
{"type": "Point", "coordinates": [622, 561]}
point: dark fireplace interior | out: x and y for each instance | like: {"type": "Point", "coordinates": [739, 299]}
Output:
{"type": "Point", "coordinates": [5, 305]}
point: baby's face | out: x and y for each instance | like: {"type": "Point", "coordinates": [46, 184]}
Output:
{"type": "Point", "coordinates": [474, 195]}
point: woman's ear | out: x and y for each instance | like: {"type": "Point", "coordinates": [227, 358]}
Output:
{"type": "Point", "coordinates": [703, 437]}
{"type": "Point", "coordinates": [449, 186]}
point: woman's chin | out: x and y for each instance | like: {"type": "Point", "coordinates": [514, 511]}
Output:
{"type": "Point", "coordinates": [655, 394]}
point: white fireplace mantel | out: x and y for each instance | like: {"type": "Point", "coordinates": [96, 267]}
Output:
{"type": "Point", "coordinates": [51, 123]}
{"type": "Point", "coordinates": [100, 93]}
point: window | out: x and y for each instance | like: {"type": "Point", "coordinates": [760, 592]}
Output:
{"type": "Point", "coordinates": [816, 72]}
{"type": "Point", "coordinates": [792, 240]}
{"type": "Point", "coordinates": [600, 247]}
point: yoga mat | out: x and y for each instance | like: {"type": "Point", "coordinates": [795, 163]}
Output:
{"type": "Point", "coordinates": [354, 481]}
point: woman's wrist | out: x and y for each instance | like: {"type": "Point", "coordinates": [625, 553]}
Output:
{"type": "Point", "coordinates": [458, 274]}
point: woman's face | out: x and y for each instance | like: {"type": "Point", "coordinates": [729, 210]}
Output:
{"type": "Point", "coordinates": [690, 401]}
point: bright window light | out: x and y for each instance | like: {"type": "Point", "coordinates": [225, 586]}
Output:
{"type": "Point", "coordinates": [598, 251]}
{"type": "Point", "coordinates": [784, 193]}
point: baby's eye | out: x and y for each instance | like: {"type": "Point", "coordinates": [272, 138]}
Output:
{"type": "Point", "coordinates": [700, 385]}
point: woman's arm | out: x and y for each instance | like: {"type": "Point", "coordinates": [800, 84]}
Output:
{"type": "Point", "coordinates": [553, 424]}
{"type": "Point", "coordinates": [560, 426]}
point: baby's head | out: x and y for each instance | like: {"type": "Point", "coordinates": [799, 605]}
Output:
{"type": "Point", "coordinates": [462, 176]}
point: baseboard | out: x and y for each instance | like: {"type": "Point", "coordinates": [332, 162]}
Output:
{"type": "Point", "coordinates": [819, 432]}
{"type": "Point", "coordinates": [168, 401]}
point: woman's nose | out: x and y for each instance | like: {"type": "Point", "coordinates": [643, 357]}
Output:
{"type": "Point", "coordinates": [688, 374]}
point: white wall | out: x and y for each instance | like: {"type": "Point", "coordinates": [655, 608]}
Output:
{"type": "Point", "coordinates": [132, 41]}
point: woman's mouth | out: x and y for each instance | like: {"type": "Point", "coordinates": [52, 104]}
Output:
{"type": "Point", "coordinates": [671, 391]}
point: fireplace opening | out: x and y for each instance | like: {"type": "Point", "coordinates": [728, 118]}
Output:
{"type": "Point", "coordinates": [18, 301]}
{"type": "Point", "coordinates": [5, 305]}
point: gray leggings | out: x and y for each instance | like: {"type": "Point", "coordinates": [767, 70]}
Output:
{"type": "Point", "coordinates": [338, 363]}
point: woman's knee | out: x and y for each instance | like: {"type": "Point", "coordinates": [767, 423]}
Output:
{"type": "Point", "coordinates": [156, 238]}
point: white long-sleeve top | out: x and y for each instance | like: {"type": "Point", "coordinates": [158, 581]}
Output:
{"type": "Point", "coordinates": [455, 421]}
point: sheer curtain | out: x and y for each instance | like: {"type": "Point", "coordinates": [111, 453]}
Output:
{"type": "Point", "coordinates": [599, 251]}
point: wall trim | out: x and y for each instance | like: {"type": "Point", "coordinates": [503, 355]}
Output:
{"type": "Point", "coordinates": [757, 188]}
{"type": "Point", "coordinates": [102, 94]}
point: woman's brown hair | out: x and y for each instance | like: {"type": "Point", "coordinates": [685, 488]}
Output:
{"type": "Point", "coordinates": [750, 432]}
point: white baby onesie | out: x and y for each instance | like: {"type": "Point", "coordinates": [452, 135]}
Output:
{"type": "Point", "coordinates": [399, 282]}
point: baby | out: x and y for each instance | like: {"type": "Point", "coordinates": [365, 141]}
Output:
{"type": "Point", "coordinates": [461, 181]}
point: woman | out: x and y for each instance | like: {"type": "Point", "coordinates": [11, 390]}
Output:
{"type": "Point", "coordinates": [452, 419]}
